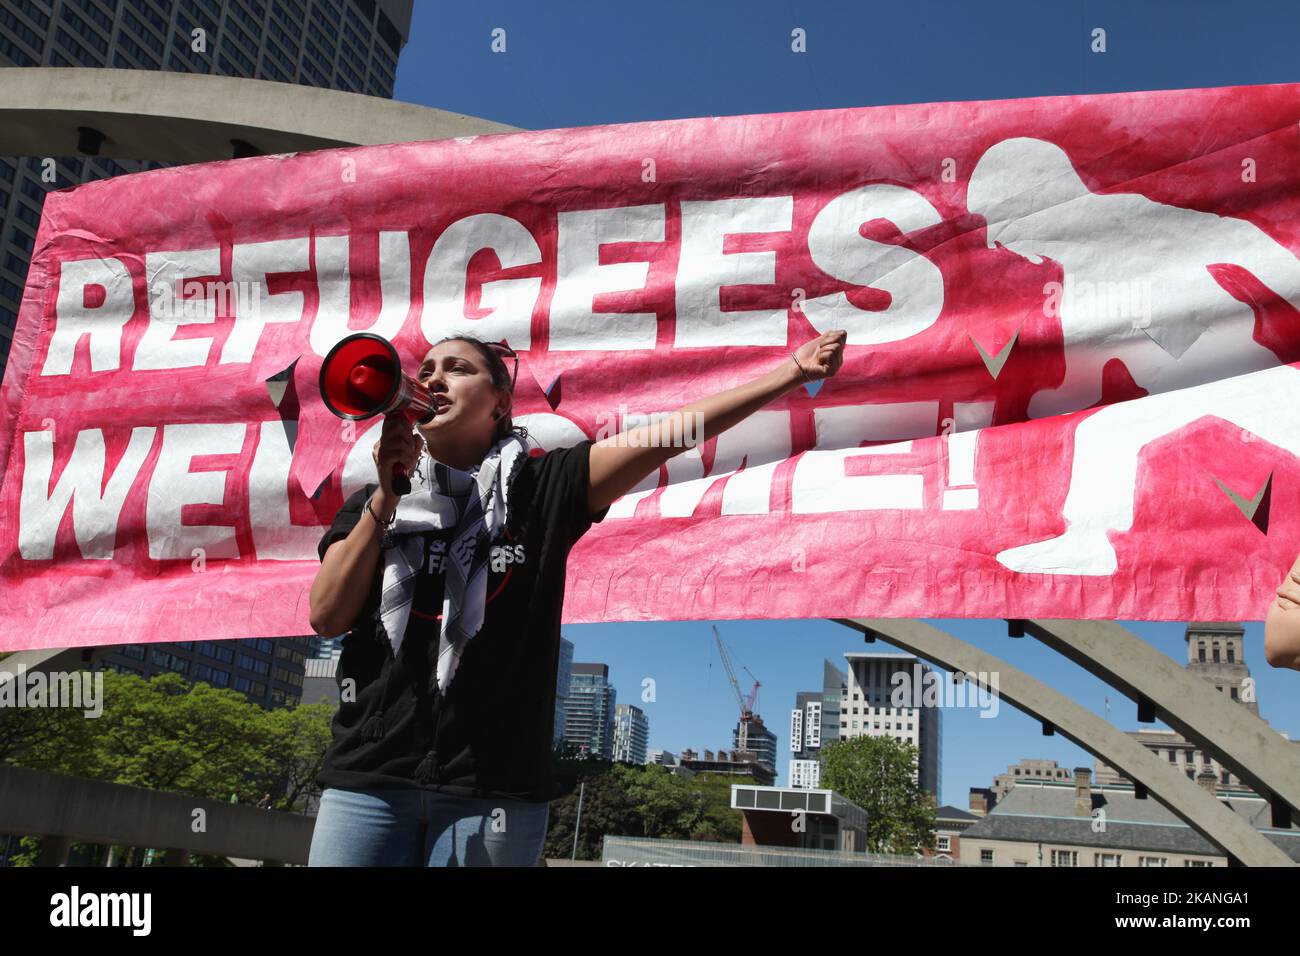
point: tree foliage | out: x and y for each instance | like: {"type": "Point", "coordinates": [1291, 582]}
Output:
{"type": "Point", "coordinates": [876, 774]}
{"type": "Point", "coordinates": [623, 799]}
{"type": "Point", "coordinates": [166, 734]}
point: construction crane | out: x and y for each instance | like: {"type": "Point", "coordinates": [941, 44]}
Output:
{"type": "Point", "coordinates": [746, 706]}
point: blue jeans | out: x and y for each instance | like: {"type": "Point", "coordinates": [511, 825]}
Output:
{"type": "Point", "coordinates": [410, 827]}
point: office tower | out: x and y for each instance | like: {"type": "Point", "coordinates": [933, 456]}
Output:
{"type": "Point", "coordinates": [631, 734]}
{"type": "Point", "coordinates": [563, 677]}
{"type": "Point", "coordinates": [589, 711]}
{"type": "Point", "coordinates": [350, 45]}
{"type": "Point", "coordinates": [805, 740]}
{"type": "Point", "coordinates": [815, 721]}
{"type": "Point", "coordinates": [868, 709]}
{"type": "Point", "coordinates": [324, 648]}
{"type": "Point", "coordinates": [664, 758]}
{"type": "Point", "coordinates": [267, 671]}
{"type": "Point", "coordinates": [759, 741]}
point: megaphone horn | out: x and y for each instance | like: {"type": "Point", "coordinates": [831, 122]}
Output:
{"type": "Point", "coordinates": [362, 377]}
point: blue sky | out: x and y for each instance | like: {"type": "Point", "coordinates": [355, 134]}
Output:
{"type": "Point", "coordinates": [587, 63]}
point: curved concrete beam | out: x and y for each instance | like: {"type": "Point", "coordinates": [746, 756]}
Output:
{"type": "Point", "coordinates": [193, 118]}
{"type": "Point", "coordinates": [62, 809]}
{"type": "Point", "coordinates": [1201, 811]}
{"type": "Point", "coordinates": [1243, 743]}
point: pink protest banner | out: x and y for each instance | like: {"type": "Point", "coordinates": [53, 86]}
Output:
{"type": "Point", "coordinates": [1069, 385]}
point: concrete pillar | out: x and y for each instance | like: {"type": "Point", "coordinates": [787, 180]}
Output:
{"type": "Point", "coordinates": [174, 856]}
{"type": "Point", "coordinates": [54, 850]}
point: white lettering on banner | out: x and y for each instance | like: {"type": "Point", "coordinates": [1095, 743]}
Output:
{"type": "Point", "coordinates": [647, 486]}
{"type": "Point", "coordinates": [275, 536]}
{"type": "Point", "coordinates": [847, 426]}
{"type": "Point", "coordinates": [745, 457]}
{"type": "Point", "coordinates": [359, 466]}
{"type": "Point", "coordinates": [103, 323]}
{"type": "Point", "coordinates": [820, 485]}
{"type": "Point", "coordinates": [506, 306]}
{"type": "Point", "coordinates": [174, 486]}
{"type": "Point", "coordinates": [508, 302]}
{"type": "Point", "coordinates": [165, 274]}
{"type": "Point", "coordinates": [704, 269]}
{"type": "Point", "coordinates": [253, 263]}
{"type": "Point", "coordinates": [334, 283]}
{"type": "Point", "coordinates": [968, 418]}
{"type": "Point", "coordinates": [763, 447]}
{"type": "Point", "coordinates": [581, 277]}
{"type": "Point", "coordinates": [333, 278]}
{"type": "Point", "coordinates": [95, 512]}
{"type": "Point", "coordinates": [1176, 324]}
{"type": "Point", "coordinates": [763, 436]}
{"type": "Point", "coordinates": [914, 283]}
{"type": "Point", "coordinates": [763, 442]}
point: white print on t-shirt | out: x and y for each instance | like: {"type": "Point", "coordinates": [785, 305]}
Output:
{"type": "Point", "coordinates": [499, 557]}
{"type": "Point", "coordinates": [504, 554]}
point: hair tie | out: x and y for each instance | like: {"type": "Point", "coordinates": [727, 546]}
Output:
{"type": "Point", "coordinates": [801, 368]}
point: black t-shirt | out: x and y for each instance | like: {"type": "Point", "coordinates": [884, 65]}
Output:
{"type": "Point", "coordinates": [490, 734]}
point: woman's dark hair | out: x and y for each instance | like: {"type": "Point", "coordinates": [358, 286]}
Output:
{"type": "Point", "coordinates": [500, 379]}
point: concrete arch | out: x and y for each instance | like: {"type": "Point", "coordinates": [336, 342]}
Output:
{"type": "Point", "coordinates": [191, 118]}
{"type": "Point", "coordinates": [1164, 690]}
{"type": "Point", "coordinates": [1231, 834]}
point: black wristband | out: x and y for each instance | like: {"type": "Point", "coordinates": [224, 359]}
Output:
{"type": "Point", "coordinates": [383, 525]}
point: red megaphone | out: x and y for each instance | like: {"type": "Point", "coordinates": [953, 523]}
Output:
{"type": "Point", "coordinates": [362, 377]}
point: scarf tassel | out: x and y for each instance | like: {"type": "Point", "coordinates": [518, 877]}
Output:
{"type": "Point", "coordinates": [373, 728]}
{"type": "Point", "coordinates": [424, 772]}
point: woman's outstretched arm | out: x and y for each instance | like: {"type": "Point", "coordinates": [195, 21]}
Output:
{"type": "Point", "coordinates": [620, 462]}
{"type": "Point", "coordinates": [1282, 623]}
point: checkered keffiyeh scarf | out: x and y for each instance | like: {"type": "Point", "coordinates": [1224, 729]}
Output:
{"type": "Point", "coordinates": [472, 502]}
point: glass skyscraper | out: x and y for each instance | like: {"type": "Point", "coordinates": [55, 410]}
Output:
{"type": "Point", "coordinates": [589, 711]}
{"type": "Point", "coordinates": [349, 45]}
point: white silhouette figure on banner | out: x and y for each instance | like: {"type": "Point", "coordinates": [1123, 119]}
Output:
{"type": "Point", "coordinates": [1103, 477]}
{"type": "Point", "coordinates": [1182, 337]}
{"type": "Point", "coordinates": [1127, 254]}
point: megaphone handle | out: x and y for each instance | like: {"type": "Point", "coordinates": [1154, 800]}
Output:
{"type": "Point", "coordinates": [401, 480]}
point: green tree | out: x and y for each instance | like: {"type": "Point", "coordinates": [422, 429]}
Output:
{"type": "Point", "coordinates": [607, 810]}
{"type": "Point", "coordinates": [299, 737]}
{"type": "Point", "coordinates": [623, 799]}
{"type": "Point", "coordinates": [721, 823]}
{"type": "Point", "coordinates": [166, 734]}
{"type": "Point", "coordinates": [670, 807]}
{"type": "Point", "coordinates": [876, 774]}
